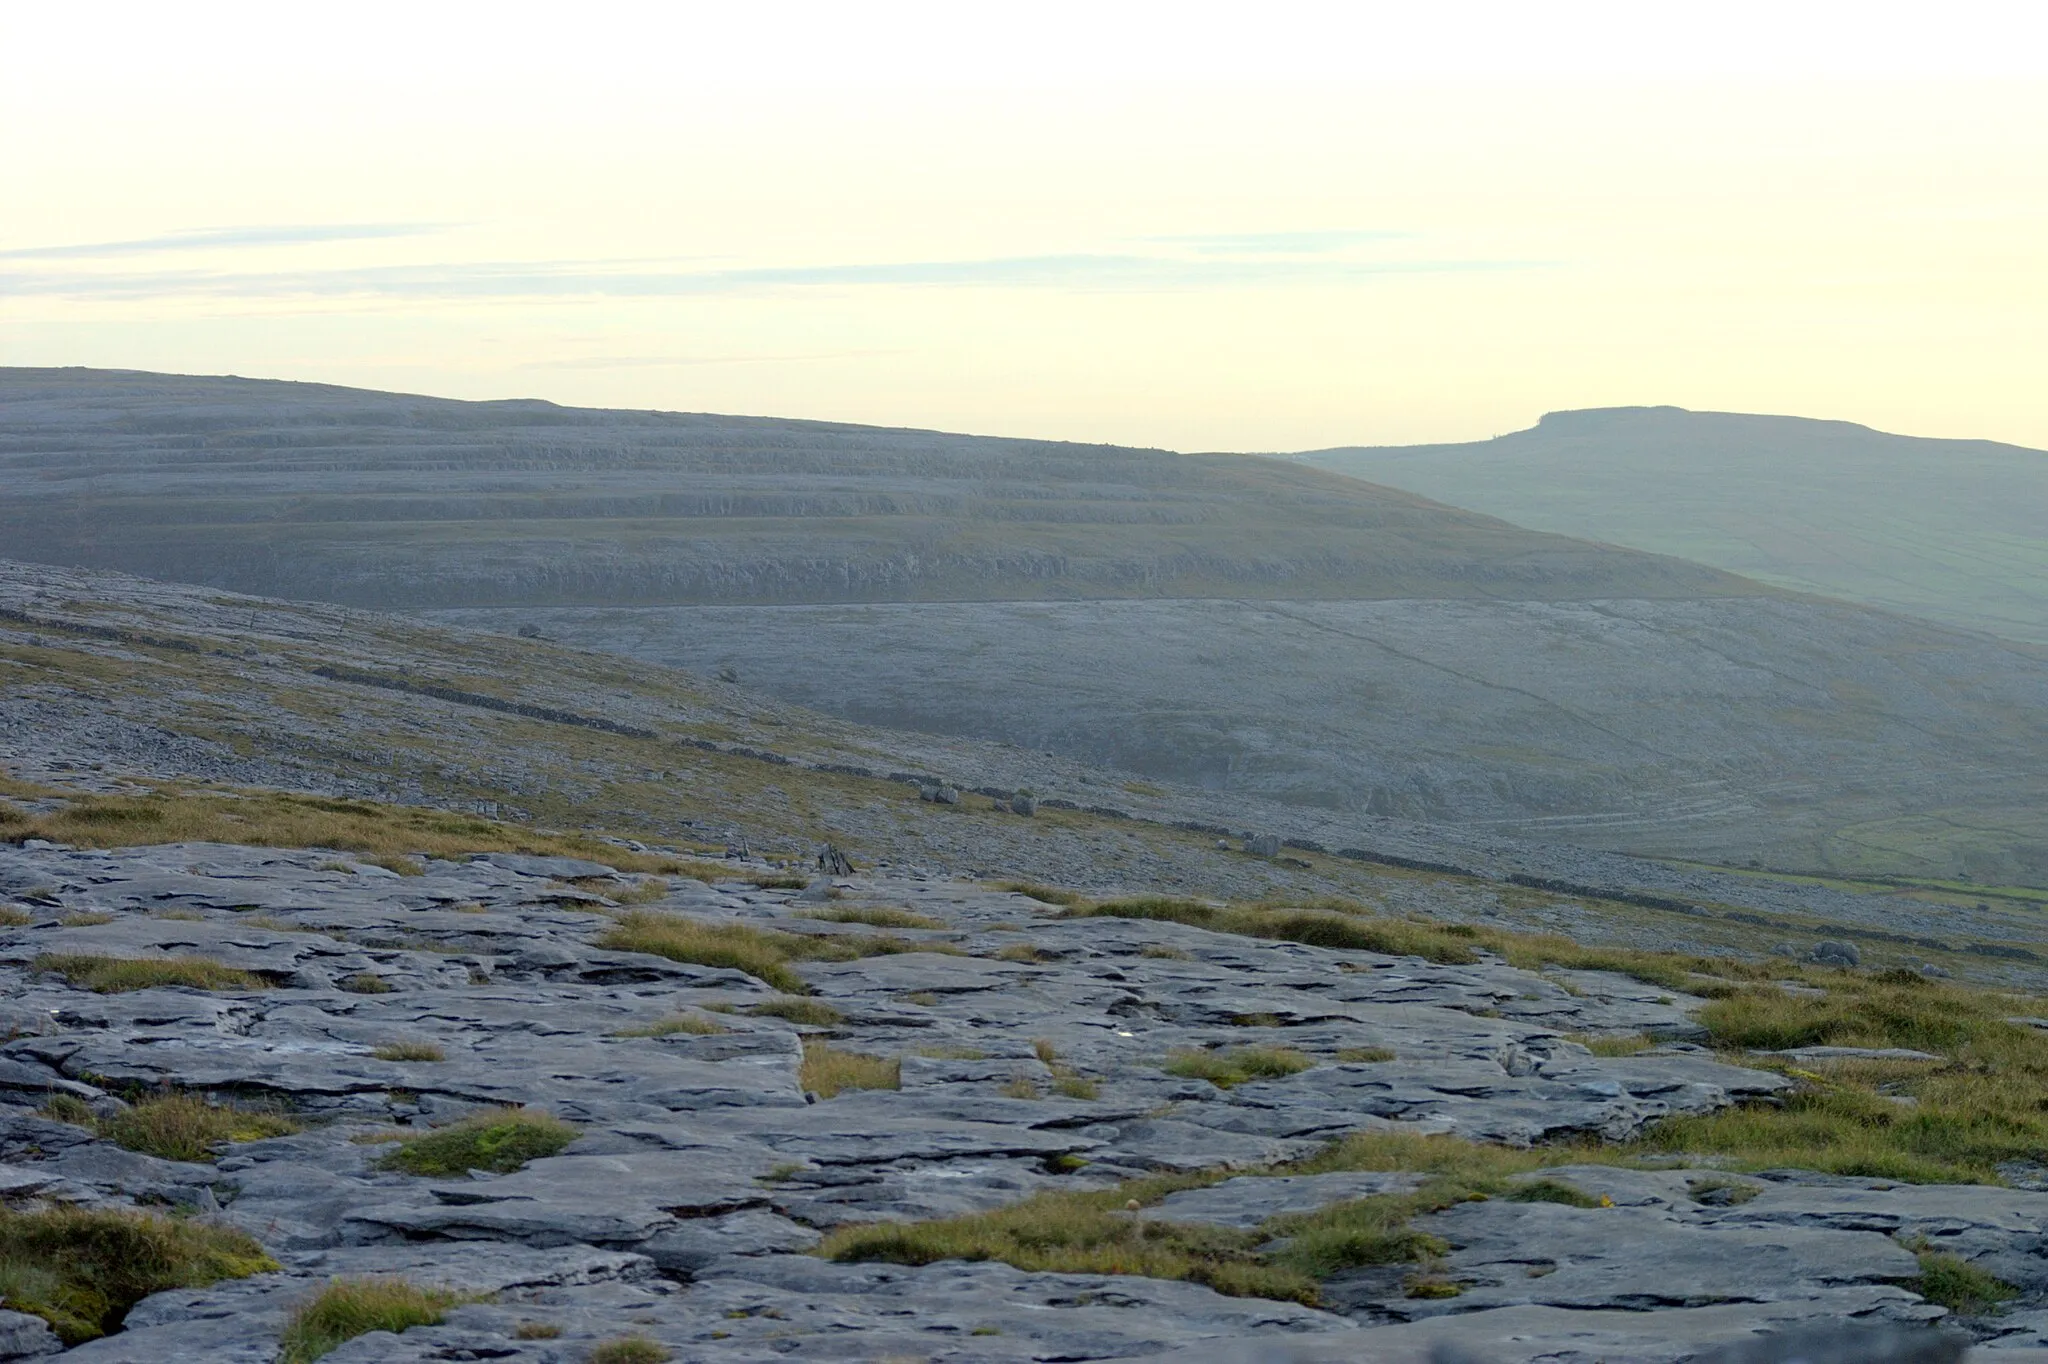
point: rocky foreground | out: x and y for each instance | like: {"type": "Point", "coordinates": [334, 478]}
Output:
{"type": "Point", "coordinates": [704, 1173]}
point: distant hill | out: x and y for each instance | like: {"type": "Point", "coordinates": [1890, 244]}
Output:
{"type": "Point", "coordinates": [1954, 530]}
{"type": "Point", "coordinates": [390, 500]}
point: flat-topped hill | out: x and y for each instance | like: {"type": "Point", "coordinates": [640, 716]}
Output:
{"type": "Point", "coordinates": [398, 501]}
{"type": "Point", "coordinates": [1948, 529]}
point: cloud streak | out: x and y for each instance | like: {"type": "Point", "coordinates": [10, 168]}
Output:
{"type": "Point", "coordinates": [515, 280]}
{"type": "Point", "coordinates": [224, 238]}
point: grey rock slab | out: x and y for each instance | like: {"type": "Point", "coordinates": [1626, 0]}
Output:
{"type": "Point", "coordinates": [563, 1200]}
{"type": "Point", "coordinates": [1171, 1144]}
{"type": "Point", "coordinates": [828, 1311]}
{"type": "Point", "coordinates": [1245, 1202]}
{"type": "Point", "coordinates": [550, 868]}
{"type": "Point", "coordinates": [1508, 1254]}
{"type": "Point", "coordinates": [859, 1129]}
{"type": "Point", "coordinates": [1810, 1054]}
{"type": "Point", "coordinates": [912, 971]}
{"type": "Point", "coordinates": [25, 1337]}
{"type": "Point", "coordinates": [1546, 1335]}
{"type": "Point", "coordinates": [691, 1245]}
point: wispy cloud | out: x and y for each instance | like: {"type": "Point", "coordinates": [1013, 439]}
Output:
{"type": "Point", "coordinates": [220, 238]}
{"type": "Point", "coordinates": [677, 361]}
{"type": "Point", "coordinates": [598, 279]}
{"type": "Point", "coordinates": [1279, 243]}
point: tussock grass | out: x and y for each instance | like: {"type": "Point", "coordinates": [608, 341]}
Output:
{"type": "Point", "coordinates": [640, 892]}
{"type": "Point", "coordinates": [1629, 1045]}
{"type": "Point", "coordinates": [13, 917]}
{"type": "Point", "coordinates": [797, 1009]}
{"type": "Point", "coordinates": [1555, 1191]}
{"type": "Point", "coordinates": [368, 829]}
{"type": "Point", "coordinates": [117, 975]}
{"type": "Point", "coordinates": [1045, 895]}
{"type": "Point", "coordinates": [763, 953]}
{"type": "Point", "coordinates": [82, 1270]}
{"type": "Point", "coordinates": [1978, 1108]}
{"type": "Point", "coordinates": [348, 1308]}
{"type": "Point", "coordinates": [366, 983]}
{"type": "Point", "coordinates": [1082, 1233]}
{"type": "Point", "coordinates": [1958, 1285]}
{"type": "Point", "coordinates": [1450, 944]}
{"type": "Point", "coordinates": [828, 1071]}
{"type": "Point", "coordinates": [1236, 1065]}
{"type": "Point", "coordinates": [499, 1140]}
{"type": "Point", "coordinates": [186, 1127]}
{"type": "Point", "coordinates": [410, 1051]}
{"type": "Point", "coordinates": [629, 1350]}
{"type": "Point", "coordinates": [878, 917]}
{"type": "Point", "coordinates": [1361, 1055]}
{"type": "Point", "coordinates": [693, 1025]}
{"type": "Point", "coordinates": [950, 1053]}
{"type": "Point", "coordinates": [536, 1330]}
{"type": "Point", "coordinates": [1021, 952]}
{"type": "Point", "coordinates": [88, 918]}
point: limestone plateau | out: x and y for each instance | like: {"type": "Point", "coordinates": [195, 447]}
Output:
{"type": "Point", "coordinates": [701, 1172]}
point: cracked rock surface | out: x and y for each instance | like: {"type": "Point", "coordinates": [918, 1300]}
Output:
{"type": "Point", "coordinates": [704, 1172]}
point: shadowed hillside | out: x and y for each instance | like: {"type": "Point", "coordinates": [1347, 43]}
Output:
{"type": "Point", "coordinates": [395, 501]}
{"type": "Point", "coordinates": [1948, 529]}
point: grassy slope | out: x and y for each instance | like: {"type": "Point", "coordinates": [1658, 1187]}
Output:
{"type": "Point", "coordinates": [1939, 528]}
{"type": "Point", "coordinates": [398, 501]}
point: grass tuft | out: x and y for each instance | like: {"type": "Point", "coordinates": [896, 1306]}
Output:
{"type": "Point", "coordinates": [1082, 1233]}
{"type": "Point", "coordinates": [499, 1140]}
{"type": "Point", "coordinates": [82, 1270]}
{"type": "Point", "coordinates": [763, 953]}
{"type": "Point", "coordinates": [828, 1071]}
{"type": "Point", "coordinates": [117, 975]}
{"type": "Point", "coordinates": [348, 1308]}
{"type": "Point", "coordinates": [366, 983]}
{"type": "Point", "coordinates": [1361, 1055]}
{"type": "Point", "coordinates": [692, 1025]}
{"type": "Point", "coordinates": [1958, 1285]}
{"type": "Point", "coordinates": [1235, 1065]}
{"type": "Point", "coordinates": [410, 1051]}
{"type": "Point", "coordinates": [797, 1009]}
{"type": "Point", "coordinates": [1045, 895]}
{"type": "Point", "coordinates": [878, 917]}
{"type": "Point", "coordinates": [629, 1350]}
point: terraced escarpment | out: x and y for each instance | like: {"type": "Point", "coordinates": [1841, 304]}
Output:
{"type": "Point", "coordinates": [107, 680]}
{"type": "Point", "coordinates": [1245, 624]}
{"type": "Point", "coordinates": [719, 1186]}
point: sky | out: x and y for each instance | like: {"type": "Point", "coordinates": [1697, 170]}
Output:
{"type": "Point", "coordinates": [1199, 226]}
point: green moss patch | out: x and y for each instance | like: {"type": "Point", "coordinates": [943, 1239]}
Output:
{"type": "Point", "coordinates": [82, 1270]}
{"type": "Point", "coordinates": [499, 1140]}
{"type": "Point", "coordinates": [348, 1308]}
{"type": "Point", "coordinates": [1235, 1065]}
{"type": "Point", "coordinates": [174, 1126]}
{"type": "Point", "coordinates": [117, 975]}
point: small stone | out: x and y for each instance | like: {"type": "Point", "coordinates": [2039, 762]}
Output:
{"type": "Point", "coordinates": [1830, 953]}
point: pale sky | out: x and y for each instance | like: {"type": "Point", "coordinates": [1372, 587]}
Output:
{"type": "Point", "coordinates": [1270, 226]}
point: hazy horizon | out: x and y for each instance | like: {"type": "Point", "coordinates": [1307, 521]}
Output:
{"type": "Point", "coordinates": [1152, 227]}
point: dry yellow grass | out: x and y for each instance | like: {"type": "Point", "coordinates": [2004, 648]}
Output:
{"type": "Point", "coordinates": [828, 1071]}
